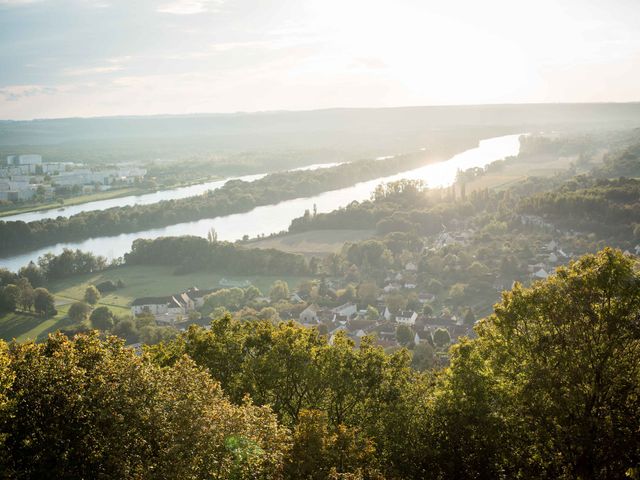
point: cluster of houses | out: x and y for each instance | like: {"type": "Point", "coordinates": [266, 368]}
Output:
{"type": "Point", "coordinates": [396, 281]}
{"type": "Point", "coordinates": [171, 309]}
{"type": "Point", "coordinates": [547, 260]}
{"type": "Point", "coordinates": [22, 176]}
{"type": "Point", "coordinates": [552, 256]}
{"type": "Point", "coordinates": [356, 324]}
{"type": "Point", "coordinates": [174, 310]}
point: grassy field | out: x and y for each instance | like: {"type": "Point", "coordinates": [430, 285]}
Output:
{"type": "Point", "coordinates": [24, 326]}
{"type": "Point", "coordinates": [516, 172]}
{"type": "Point", "coordinates": [139, 281]}
{"type": "Point", "coordinates": [317, 242]}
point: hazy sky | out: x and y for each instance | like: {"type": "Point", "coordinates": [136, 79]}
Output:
{"type": "Point", "coordinates": [108, 57]}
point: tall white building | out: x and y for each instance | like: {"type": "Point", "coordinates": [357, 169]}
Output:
{"type": "Point", "coordinates": [24, 159]}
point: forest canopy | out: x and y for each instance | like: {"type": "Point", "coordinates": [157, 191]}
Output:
{"type": "Point", "coordinates": [548, 389]}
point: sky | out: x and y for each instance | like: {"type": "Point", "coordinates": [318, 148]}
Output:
{"type": "Point", "coordinates": [69, 58]}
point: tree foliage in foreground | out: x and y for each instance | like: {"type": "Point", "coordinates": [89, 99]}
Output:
{"type": "Point", "coordinates": [549, 389]}
{"type": "Point", "coordinates": [566, 352]}
{"type": "Point", "coordinates": [551, 386]}
{"type": "Point", "coordinates": [87, 408]}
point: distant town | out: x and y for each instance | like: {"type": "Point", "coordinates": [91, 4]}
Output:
{"type": "Point", "coordinates": [26, 177]}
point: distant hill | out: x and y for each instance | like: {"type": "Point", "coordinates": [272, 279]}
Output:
{"type": "Point", "coordinates": [352, 131]}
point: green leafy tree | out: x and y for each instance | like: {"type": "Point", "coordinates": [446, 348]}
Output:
{"type": "Point", "coordinates": [293, 368]}
{"type": "Point", "coordinates": [348, 294]}
{"type": "Point", "coordinates": [102, 318]}
{"type": "Point", "coordinates": [396, 302]}
{"type": "Point", "coordinates": [10, 297]}
{"type": "Point", "coordinates": [321, 452]}
{"type": "Point", "coordinates": [567, 351]}
{"type": "Point", "coordinates": [314, 265]}
{"type": "Point", "coordinates": [251, 293]}
{"type": "Point", "coordinates": [464, 437]}
{"type": "Point", "coordinates": [26, 297]}
{"type": "Point", "coordinates": [219, 349]}
{"type": "Point", "coordinates": [423, 357]}
{"type": "Point", "coordinates": [358, 377]}
{"type": "Point", "coordinates": [477, 270]}
{"type": "Point", "coordinates": [372, 313]}
{"type": "Point", "coordinates": [457, 293]}
{"type": "Point", "coordinates": [333, 264]}
{"type": "Point", "coordinates": [212, 235]}
{"type": "Point", "coordinates": [435, 286]}
{"type": "Point", "coordinates": [279, 291]}
{"type": "Point", "coordinates": [91, 295]}
{"type": "Point", "coordinates": [309, 454]}
{"type": "Point", "coordinates": [43, 302]}
{"type": "Point", "coordinates": [269, 313]}
{"type": "Point", "coordinates": [367, 293]}
{"type": "Point", "coordinates": [127, 329]}
{"type": "Point", "coordinates": [100, 410]}
{"type": "Point", "coordinates": [34, 274]}
{"type": "Point", "coordinates": [79, 311]}
{"type": "Point", "coordinates": [441, 337]}
{"type": "Point", "coordinates": [404, 335]}
{"type": "Point", "coordinates": [283, 370]}
{"type": "Point", "coordinates": [229, 298]}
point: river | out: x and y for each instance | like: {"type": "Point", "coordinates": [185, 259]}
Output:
{"type": "Point", "coordinates": [145, 198]}
{"type": "Point", "coordinates": [275, 218]}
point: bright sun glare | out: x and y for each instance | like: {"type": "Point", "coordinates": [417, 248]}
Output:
{"type": "Point", "coordinates": [201, 56]}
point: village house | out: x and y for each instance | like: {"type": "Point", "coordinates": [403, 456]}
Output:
{"type": "Point", "coordinates": [167, 309]}
{"type": "Point", "coordinates": [310, 314]}
{"type": "Point", "coordinates": [295, 298]}
{"type": "Point", "coordinates": [536, 266]}
{"type": "Point", "coordinates": [185, 300]}
{"type": "Point", "coordinates": [426, 297]}
{"type": "Point", "coordinates": [540, 274]}
{"type": "Point", "coordinates": [406, 318]}
{"type": "Point", "coordinates": [197, 296]}
{"type": "Point", "coordinates": [422, 336]}
{"type": "Point", "coordinates": [455, 331]}
{"type": "Point", "coordinates": [346, 310]}
{"type": "Point", "coordinates": [392, 287]}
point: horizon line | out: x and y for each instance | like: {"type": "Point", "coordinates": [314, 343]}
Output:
{"type": "Point", "coordinates": [309, 110]}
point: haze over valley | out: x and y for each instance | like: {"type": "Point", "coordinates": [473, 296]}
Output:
{"type": "Point", "coordinates": [319, 240]}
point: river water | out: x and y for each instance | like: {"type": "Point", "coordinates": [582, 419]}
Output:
{"type": "Point", "coordinates": [146, 198]}
{"type": "Point", "coordinates": [275, 218]}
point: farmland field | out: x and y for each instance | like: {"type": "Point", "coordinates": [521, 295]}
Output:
{"type": "Point", "coordinates": [317, 242]}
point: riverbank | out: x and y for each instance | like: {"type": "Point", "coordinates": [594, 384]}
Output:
{"type": "Point", "coordinates": [85, 201]}
{"type": "Point", "coordinates": [79, 200]}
